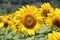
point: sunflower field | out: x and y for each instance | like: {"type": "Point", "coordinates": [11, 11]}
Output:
{"type": "Point", "coordinates": [30, 22]}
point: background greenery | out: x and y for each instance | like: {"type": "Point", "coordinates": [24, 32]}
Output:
{"type": "Point", "coordinates": [10, 6]}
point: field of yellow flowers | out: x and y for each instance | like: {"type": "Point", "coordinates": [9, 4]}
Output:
{"type": "Point", "coordinates": [31, 23]}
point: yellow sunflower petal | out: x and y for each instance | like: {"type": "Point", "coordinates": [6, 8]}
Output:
{"type": "Point", "coordinates": [51, 37]}
{"type": "Point", "coordinates": [54, 36]}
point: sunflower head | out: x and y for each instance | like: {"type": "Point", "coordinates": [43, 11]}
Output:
{"type": "Point", "coordinates": [16, 28]}
{"type": "Point", "coordinates": [53, 18]}
{"type": "Point", "coordinates": [45, 9]}
{"type": "Point", "coordinates": [56, 21]}
{"type": "Point", "coordinates": [6, 22]}
{"type": "Point", "coordinates": [5, 26]}
{"type": "Point", "coordinates": [54, 36]}
{"type": "Point", "coordinates": [29, 18]}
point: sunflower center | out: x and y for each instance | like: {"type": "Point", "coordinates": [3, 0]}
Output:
{"type": "Point", "coordinates": [8, 18]}
{"type": "Point", "coordinates": [57, 21]}
{"type": "Point", "coordinates": [45, 12]}
{"type": "Point", "coordinates": [6, 24]}
{"type": "Point", "coordinates": [0, 20]}
{"type": "Point", "coordinates": [29, 21]}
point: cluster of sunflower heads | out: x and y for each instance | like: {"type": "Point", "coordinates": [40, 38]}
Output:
{"type": "Point", "coordinates": [29, 19]}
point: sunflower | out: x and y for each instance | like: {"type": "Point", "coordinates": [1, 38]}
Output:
{"type": "Point", "coordinates": [3, 24]}
{"type": "Point", "coordinates": [54, 36]}
{"type": "Point", "coordinates": [53, 19]}
{"type": "Point", "coordinates": [16, 25]}
{"type": "Point", "coordinates": [15, 28]}
{"type": "Point", "coordinates": [29, 19]}
{"type": "Point", "coordinates": [46, 9]}
{"type": "Point", "coordinates": [7, 22]}
{"type": "Point", "coordinates": [6, 26]}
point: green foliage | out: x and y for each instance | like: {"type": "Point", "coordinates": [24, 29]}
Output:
{"type": "Point", "coordinates": [40, 35]}
{"type": "Point", "coordinates": [56, 3]}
